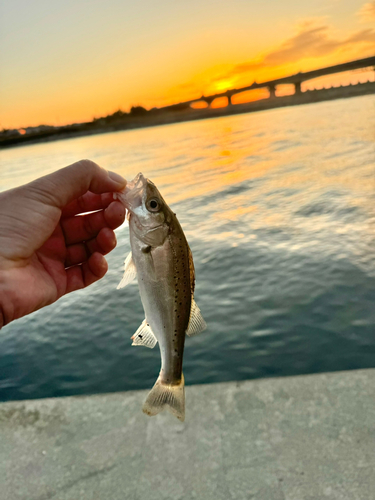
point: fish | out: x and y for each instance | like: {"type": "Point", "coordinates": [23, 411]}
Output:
{"type": "Point", "coordinates": [162, 261]}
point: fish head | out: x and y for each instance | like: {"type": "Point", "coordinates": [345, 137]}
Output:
{"type": "Point", "coordinates": [148, 213]}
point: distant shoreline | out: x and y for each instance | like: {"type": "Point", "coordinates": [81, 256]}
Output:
{"type": "Point", "coordinates": [151, 119]}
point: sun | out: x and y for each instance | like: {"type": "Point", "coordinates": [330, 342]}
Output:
{"type": "Point", "coordinates": [223, 85]}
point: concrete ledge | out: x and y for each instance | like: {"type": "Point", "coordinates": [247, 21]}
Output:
{"type": "Point", "coordinates": [298, 438]}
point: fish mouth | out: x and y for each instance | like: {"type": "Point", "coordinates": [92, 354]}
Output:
{"type": "Point", "coordinates": [138, 182]}
{"type": "Point", "coordinates": [132, 195]}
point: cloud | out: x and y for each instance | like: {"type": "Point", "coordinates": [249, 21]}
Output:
{"type": "Point", "coordinates": [312, 40]}
{"type": "Point", "coordinates": [364, 36]}
{"type": "Point", "coordinates": [367, 12]}
{"type": "Point", "coordinates": [247, 67]}
{"type": "Point", "coordinates": [185, 86]}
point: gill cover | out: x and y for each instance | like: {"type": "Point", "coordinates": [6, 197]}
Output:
{"type": "Point", "coordinates": [149, 214]}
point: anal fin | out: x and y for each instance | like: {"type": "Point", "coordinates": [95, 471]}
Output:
{"type": "Point", "coordinates": [196, 322]}
{"type": "Point", "coordinates": [144, 336]}
{"type": "Point", "coordinates": [130, 272]}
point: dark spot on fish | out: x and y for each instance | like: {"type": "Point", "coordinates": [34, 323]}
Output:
{"type": "Point", "coordinates": [180, 303]}
{"type": "Point", "coordinates": [140, 336]}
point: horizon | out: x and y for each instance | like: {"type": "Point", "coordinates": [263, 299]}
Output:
{"type": "Point", "coordinates": [62, 64]}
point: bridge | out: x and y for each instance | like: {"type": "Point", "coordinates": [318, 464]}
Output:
{"type": "Point", "coordinates": [271, 85]}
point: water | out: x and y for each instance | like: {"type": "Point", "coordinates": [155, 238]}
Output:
{"type": "Point", "coordinates": [279, 210]}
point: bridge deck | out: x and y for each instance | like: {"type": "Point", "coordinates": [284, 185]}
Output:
{"type": "Point", "coordinates": [291, 79]}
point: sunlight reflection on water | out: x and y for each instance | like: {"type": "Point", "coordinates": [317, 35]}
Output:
{"type": "Point", "coordinates": [279, 211]}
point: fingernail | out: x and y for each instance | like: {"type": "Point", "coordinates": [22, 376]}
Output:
{"type": "Point", "coordinates": [117, 178]}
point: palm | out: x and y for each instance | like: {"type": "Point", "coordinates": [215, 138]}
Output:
{"type": "Point", "coordinates": [45, 273]}
{"type": "Point", "coordinates": [41, 281]}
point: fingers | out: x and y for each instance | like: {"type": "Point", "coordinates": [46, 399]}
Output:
{"type": "Point", "coordinates": [104, 243]}
{"type": "Point", "coordinates": [84, 275]}
{"type": "Point", "coordinates": [62, 187]}
{"type": "Point", "coordinates": [86, 227]}
{"type": "Point", "coordinates": [89, 202]}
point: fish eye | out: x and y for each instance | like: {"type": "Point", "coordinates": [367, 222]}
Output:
{"type": "Point", "coordinates": [153, 205]}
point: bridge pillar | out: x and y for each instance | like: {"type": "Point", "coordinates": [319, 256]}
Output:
{"type": "Point", "coordinates": [272, 91]}
{"type": "Point", "coordinates": [297, 88]}
{"type": "Point", "coordinates": [209, 101]}
{"type": "Point", "coordinates": [230, 100]}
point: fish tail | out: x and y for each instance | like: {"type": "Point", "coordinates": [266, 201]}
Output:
{"type": "Point", "coordinates": [166, 395]}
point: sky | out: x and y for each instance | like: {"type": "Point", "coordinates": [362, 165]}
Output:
{"type": "Point", "coordinates": [69, 61]}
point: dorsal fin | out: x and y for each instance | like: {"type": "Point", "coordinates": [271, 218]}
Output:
{"type": "Point", "coordinates": [196, 322]}
{"type": "Point", "coordinates": [192, 272]}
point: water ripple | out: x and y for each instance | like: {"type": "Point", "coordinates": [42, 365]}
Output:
{"type": "Point", "coordinates": [281, 222]}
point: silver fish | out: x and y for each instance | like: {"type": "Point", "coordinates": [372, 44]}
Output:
{"type": "Point", "coordinates": [162, 261]}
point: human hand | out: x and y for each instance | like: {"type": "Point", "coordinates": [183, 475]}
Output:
{"type": "Point", "coordinates": [46, 248]}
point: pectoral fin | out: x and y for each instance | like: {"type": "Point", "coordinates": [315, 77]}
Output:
{"type": "Point", "coordinates": [196, 322]}
{"type": "Point", "coordinates": [144, 336]}
{"type": "Point", "coordinates": [130, 272]}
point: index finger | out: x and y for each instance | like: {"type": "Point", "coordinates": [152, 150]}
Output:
{"type": "Point", "coordinates": [89, 202]}
{"type": "Point", "coordinates": [65, 185]}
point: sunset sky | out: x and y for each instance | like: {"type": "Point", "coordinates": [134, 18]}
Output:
{"type": "Point", "coordinates": [68, 61]}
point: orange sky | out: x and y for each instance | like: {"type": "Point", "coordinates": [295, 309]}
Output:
{"type": "Point", "coordinates": [64, 62]}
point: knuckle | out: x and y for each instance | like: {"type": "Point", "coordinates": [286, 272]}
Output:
{"type": "Point", "coordinates": [88, 224]}
{"type": "Point", "coordinates": [92, 223]}
{"type": "Point", "coordinates": [81, 203]}
{"type": "Point", "coordinates": [90, 166]}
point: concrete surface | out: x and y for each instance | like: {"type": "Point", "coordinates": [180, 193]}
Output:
{"type": "Point", "coordinates": [298, 438]}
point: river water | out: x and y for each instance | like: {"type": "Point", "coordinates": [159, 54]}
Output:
{"type": "Point", "coordinates": [279, 211]}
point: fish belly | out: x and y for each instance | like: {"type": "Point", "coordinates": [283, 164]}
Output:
{"type": "Point", "coordinates": [164, 289]}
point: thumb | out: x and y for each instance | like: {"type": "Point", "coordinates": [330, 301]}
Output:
{"type": "Point", "coordinates": [67, 184]}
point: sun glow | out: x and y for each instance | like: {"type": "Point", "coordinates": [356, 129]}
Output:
{"type": "Point", "coordinates": [223, 85]}
{"type": "Point", "coordinates": [199, 105]}
{"type": "Point", "coordinates": [219, 102]}
{"type": "Point", "coordinates": [168, 56]}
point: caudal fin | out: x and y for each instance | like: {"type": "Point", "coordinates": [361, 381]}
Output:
{"type": "Point", "coordinates": [170, 396]}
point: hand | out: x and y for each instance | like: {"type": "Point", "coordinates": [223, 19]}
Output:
{"type": "Point", "coordinates": [46, 248]}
